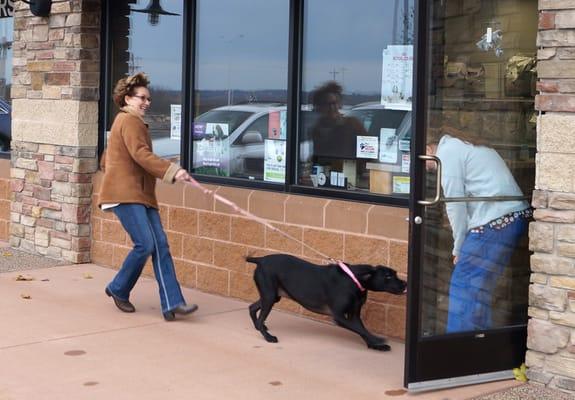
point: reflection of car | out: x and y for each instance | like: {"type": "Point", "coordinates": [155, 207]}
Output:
{"type": "Point", "coordinates": [229, 140]}
{"type": "Point", "coordinates": [5, 125]}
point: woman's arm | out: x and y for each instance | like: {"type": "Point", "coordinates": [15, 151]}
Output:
{"type": "Point", "coordinates": [134, 133]}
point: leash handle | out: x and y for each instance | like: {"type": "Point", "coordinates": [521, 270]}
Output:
{"type": "Point", "coordinates": [262, 221]}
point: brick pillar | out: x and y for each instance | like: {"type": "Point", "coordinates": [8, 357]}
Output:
{"type": "Point", "coordinates": [551, 335]}
{"type": "Point", "coordinates": [54, 128]}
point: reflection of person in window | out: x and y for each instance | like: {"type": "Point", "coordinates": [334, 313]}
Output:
{"type": "Point", "coordinates": [334, 135]}
{"type": "Point", "coordinates": [485, 232]}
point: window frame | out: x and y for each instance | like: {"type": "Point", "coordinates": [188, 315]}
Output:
{"type": "Point", "coordinates": [293, 122]}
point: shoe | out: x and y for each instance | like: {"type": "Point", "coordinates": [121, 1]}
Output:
{"type": "Point", "coordinates": [123, 305]}
{"type": "Point", "coordinates": [181, 310]}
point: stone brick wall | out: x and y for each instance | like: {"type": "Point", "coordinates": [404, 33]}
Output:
{"type": "Point", "coordinates": [551, 335]}
{"type": "Point", "coordinates": [209, 241]}
{"type": "Point", "coordinates": [54, 128]}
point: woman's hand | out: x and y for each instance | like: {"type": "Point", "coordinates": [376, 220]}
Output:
{"type": "Point", "coordinates": [182, 176]}
{"type": "Point", "coordinates": [455, 259]}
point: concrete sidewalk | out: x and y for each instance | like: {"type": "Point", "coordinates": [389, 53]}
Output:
{"type": "Point", "coordinates": [68, 341]}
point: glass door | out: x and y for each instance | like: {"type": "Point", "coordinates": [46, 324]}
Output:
{"type": "Point", "coordinates": [473, 174]}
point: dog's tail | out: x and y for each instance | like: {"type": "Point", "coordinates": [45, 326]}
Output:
{"type": "Point", "coordinates": [255, 260]}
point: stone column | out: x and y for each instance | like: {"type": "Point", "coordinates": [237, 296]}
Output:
{"type": "Point", "coordinates": [54, 128]}
{"type": "Point", "coordinates": [551, 334]}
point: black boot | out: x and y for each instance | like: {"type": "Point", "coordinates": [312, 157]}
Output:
{"type": "Point", "coordinates": [123, 305]}
{"type": "Point", "coordinates": [181, 310]}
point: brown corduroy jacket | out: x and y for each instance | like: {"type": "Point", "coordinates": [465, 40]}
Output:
{"type": "Point", "coordinates": [130, 167]}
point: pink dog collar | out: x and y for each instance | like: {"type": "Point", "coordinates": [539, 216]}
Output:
{"type": "Point", "coordinates": [346, 269]}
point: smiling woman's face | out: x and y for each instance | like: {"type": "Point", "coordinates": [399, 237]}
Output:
{"type": "Point", "coordinates": [140, 101]}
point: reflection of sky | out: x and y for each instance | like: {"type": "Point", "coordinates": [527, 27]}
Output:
{"type": "Point", "coordinates": [6, 37]}
{"type": "Point", "coordinates": [244, 45]}
{"type": "Point", "coordinates": [157, 49]}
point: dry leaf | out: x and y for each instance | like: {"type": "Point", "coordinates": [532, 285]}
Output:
{"type": "Point", "coordinates": [6, 254]}
{"type": "Point", "coordinates": [24, 278]}
{"type": "Point", "coordinates": [25, 296]}
{"type": "Point", "coordinates": [88, 276]}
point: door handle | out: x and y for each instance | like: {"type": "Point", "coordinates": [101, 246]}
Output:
{"type": "Point", "coordinates": [437, 197]}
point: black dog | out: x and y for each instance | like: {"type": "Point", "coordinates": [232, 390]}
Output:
{"type": "Point", "coordinates": [322, 289]}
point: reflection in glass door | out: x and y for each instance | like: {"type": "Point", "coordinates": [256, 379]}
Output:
{"type": "Point", "coordinates": [469, 267]}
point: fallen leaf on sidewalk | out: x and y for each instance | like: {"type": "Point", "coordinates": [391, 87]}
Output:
{"type": "Point", "coordinates": [24, 278]}
{"type": "Point", "coordinates": [6, 254]}
{"type": "Point", "coordinates": [25, 296]}
{"type": "Point", "coordinates": [88, 276]}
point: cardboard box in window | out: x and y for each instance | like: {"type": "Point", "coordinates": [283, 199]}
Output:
{"type": "Point", "coordinates": [381, 177]}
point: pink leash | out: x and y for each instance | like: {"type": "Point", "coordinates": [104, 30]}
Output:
{"type": "Point", "coordinates": [262, 221]}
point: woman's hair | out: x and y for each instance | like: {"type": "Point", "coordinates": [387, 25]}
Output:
{"type": "Point", "coordinates": [434, 135]}
{"type": "Point", "coordinates": [127, 87]}
{"type": "Point", "coordinates": [318, 96]}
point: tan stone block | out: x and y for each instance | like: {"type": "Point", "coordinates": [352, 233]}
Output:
{"type": "Point", "coordinates": [268, 205]}
{"type": "Point", "coordinates": [170, 194]}
{"type": "Point", "coordinates": [119, 255]}
{"type": "Point", "coordinates": [195, 198]}
{"type": "Point", "coordinates": [113, 232]}
{"type": "Point", "coordinates": [546, 337]}
{"type": "Point", "coordinates": [216, 226]}
{"type": "Point", "coordinates": [213, 280]}
{"type": "Point", "coordinates": [230, 256]}
{"type": "Point", "coordinates": [365, 250]}
{"type": "Point", "coordinates": [547, 298]}
{"type": "Point", "coordinates": [289, 305]}
{"type": "Point", "coordinates": [246, 231]}
{"type": "Point", "coordinates": [541, 237]}
{"type": "Point", "coordinates": [175, 241]}
{"type": "Point", "coordinates": [388, 222]}
{"type": "Point", "coordinates": [562, 318]}
{"type": "Point", "coordinates": [278, 241]}
{"type": "Point", "coordinates": [387, 298]}
{"type": "Point", "coordinates": [101, 253]}
{"type": "Point", "coordinates": [535, 312]}
{"type": "Point", "coordinates": [186, 273]}
{"type": "Point", "coordinates": [398, 257]}
{"type": "Point", "coordinates": [235, 195]}
{"type": "Point", "coordinates": [554, 133]}
{"type": "Point", "coordinates": [326, 242]}
{"type": "Point", "coordinates": [534, 359]}
{"type": "Point", "coordinates": [183, 220]}
{"type": "Point", "coordinates": [374, 316]}
{"type": "Point", "coordinates": [563, 282]}
{"type": "Point", "coordinates": [566, 249]}
{"type": "Point", "coordinates": [242, 286]}
{"type": "Point", "coordinates": [538, 278]}
{"type": "Point", "coordinates": [560, 365]}
{"type": "Point", "coordinates": [302, 210]}
{"type": "Point", "coordinates": [346, 216]}
{"type": "Point", "coordinates": [556, 4]}
{"type": "Point", "coordinates": [198, 249]}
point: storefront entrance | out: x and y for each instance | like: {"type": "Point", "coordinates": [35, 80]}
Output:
{"type": "Point", "coordinates": [474, 168]}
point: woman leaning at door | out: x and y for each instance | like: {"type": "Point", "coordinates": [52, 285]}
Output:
{"type": "Point", "coordinates": [485, 233]}
{"type": "Point", "coordinates": [128, 189]}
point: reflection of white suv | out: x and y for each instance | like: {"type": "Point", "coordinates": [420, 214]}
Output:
{"type": "Point", "coordinates": [229, 140]}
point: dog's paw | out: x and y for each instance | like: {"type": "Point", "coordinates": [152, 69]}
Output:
{"type": "Point", "coordinates": [379, 346]}
{"type": "Point", "coordinates": [271, 339]}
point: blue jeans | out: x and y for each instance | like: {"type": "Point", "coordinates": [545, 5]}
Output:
{"type": "Point", "coordinates": [482, 260]}
{"type": "Point", "coordinates": [145, 229]}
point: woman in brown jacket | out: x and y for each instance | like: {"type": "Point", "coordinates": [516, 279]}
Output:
{"type": "Point", "coordinates": [128, 189]}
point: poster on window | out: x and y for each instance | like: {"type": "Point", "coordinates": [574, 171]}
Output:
{"type": "Point", "coordinates": [397, 77]}
{"type": "Point", "coordinates": [400, 184]}
{"type": "Point", "coordinates": [367, 147]}
{"type": "Point", "coordinates": [175, 121]}
{"type": "Point", "coordinates": [211, 149]}
{"type": "Point", "coordinates": [277, 125]}
{"type": "Point", "coordinates": [275, 161]}
{"type": "Point", "coordinates": [388, 145]}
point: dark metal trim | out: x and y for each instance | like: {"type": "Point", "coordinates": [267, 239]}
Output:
{"type": "Point", "coordinates": [188, 82]}
{"type": "Point", "coordinates": [417, 187]}
{"type": "Point", "coordinates": [105, 75]}
{"type": "Point", "coordinates": [294, 86]}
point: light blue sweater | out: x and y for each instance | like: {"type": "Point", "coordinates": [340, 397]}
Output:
{"type": "Point", "coordinates": [474, 171]}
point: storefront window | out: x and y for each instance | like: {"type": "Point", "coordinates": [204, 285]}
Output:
{"type": "Point", "coordinates": [149, 39]}
{"type": "Point", "coordinates": [355, 115]}
{"type": "Point", "coordinates": [241, 89]}
{"type": "Point", "coordinates": [6, 36]}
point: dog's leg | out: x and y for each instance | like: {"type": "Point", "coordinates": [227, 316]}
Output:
{"type": "Point", "coordinates": [354, 324]}
{"type": "Point", "coordinates": [266, 307]}
{"type": "Point", "coordinates": [254, 308]}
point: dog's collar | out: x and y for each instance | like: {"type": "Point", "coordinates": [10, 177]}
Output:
{"type": "Point", "coordinates": [346, 269]}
